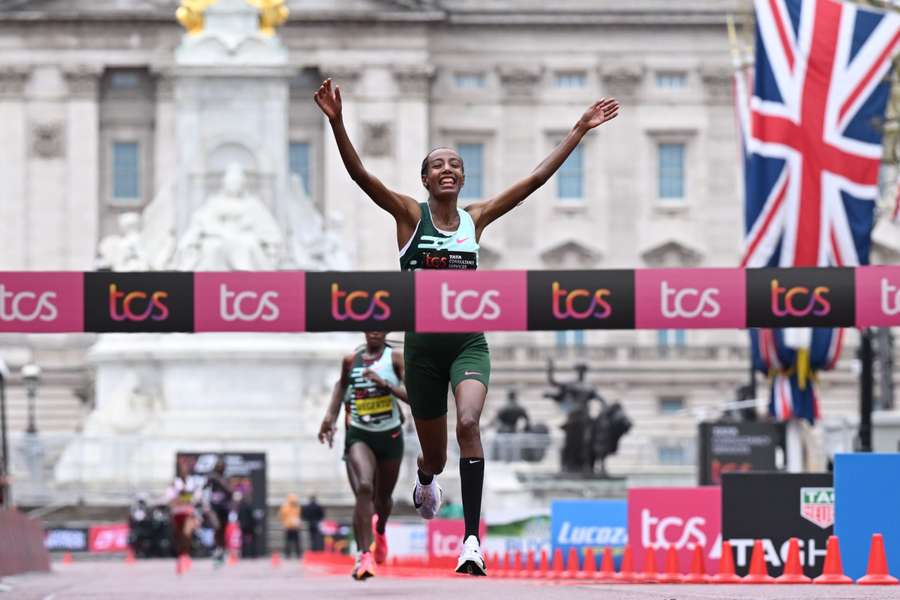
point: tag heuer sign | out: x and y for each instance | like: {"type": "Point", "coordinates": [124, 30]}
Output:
{"type": "Point", "coordinates": [817, 506]}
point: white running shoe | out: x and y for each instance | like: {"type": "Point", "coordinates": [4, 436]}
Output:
{"type": "Point", "coordinates": [471, 562]}
{"type": "Point", "coordinates": [427, 499]}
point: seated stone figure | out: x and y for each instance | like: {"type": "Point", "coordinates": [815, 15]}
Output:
{"type": "Point", "coordinates": [232, 230]}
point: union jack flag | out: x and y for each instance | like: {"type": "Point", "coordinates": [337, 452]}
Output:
{"type": "Point", "coordinates": [809, 119]}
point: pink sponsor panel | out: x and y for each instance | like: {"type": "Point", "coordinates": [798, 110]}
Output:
{"type": "Point", "coordinates": [690, 299]}
{"type": "Point", "coordinates": [41, 302]}
{"type": "Point", "coordinates": [459, 301]}
{"type": "Point", "coordinates": [445, 537]}
{"type": "Point", "coordinates": [877, 296]}
{"type": "Point", "coordinates": [265, 301]}
{"type": "Point", "coordinates": [681, 517]}
{"type": "Point", "coordinates": [108, 538]}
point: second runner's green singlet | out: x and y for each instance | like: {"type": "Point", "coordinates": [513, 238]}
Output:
{"type": "Point", "coordinates": [374, 411]}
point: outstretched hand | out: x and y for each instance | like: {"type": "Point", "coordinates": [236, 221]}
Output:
{"type": "Point", "coordinates": [327, 431]}
{"type": "Point", "coordinates": [599, 112]}
{"type": "Point", "coordinates": [328, 99]}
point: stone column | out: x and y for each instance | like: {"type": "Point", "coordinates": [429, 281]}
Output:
{"type": "Point", "coordinates": [12, 166]}
{"type": "Point", "coordinates": [165, 150]}
{"type": "Point", "coordinates": [519, 145]}
{"type": "Point", "coordinates": [341, 194]}
{"type": "Point", "coordinates": [82, 203]}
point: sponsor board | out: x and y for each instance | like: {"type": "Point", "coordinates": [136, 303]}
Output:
{"type": "Point", "coordinates": [370, 301]}
{"type": "Point", "coordinates": [806, 297]}
{"type": "Point", "coordinates": [581, 299]}
{"type": "Point", "coordinates": [877, 296]}
{"type": "Point", "coordinates": [407, 539]}
{"type": "Point", "coordinates": [249, 301]}
{"type": "Point", "coordinates": [139, 302]}
{"type": "Point", "coordinates": [683, 518]}
{"type": "Point", "coordinates": [108, 538]}
{"type": "Point", "coordinates": [531, 534]}
{"type": "Point", "coordinates": [445, 537]}
{"type": "Point", "coordinates": [460, 301]}
{"type": "Point", "coordinates": [41, 302]}
{"type": "Point", "coordinates": [690, 299]}
{"type": "Point", "coordinates": [738, 448]}
{"type": "Point", "coordinates": [594, 524]}
{"type": "Point", "coordinates": [245, 472]}
{"type": "Point", "coordinates": [68, 539]}
{"type": "Point", "coordinates": [867, 495]}
{"type": "Point", "coordinates": [774, 507]}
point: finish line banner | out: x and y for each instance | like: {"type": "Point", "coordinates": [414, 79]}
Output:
{"type": "Point", "coordinates": [445, 301]}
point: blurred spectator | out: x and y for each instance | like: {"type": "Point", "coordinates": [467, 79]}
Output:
{"type": "Point", "coordinates": [313, 515]}
{"type": "Point", "coordinates": [508, 417]}
{"type": "Point", "coordinates": [217, 499]}
{"type": "Point", "coordinates": [289, 514]}
{"type": "Point", "coordinates": [247, 523]}
{"type": "Point", "coordinates": [450, 509]}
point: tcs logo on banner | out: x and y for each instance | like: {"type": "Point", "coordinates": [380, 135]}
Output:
{"type": "Point", "coordinates": [469, 305]}
{"type": "Point", "coordinates": [138, 305]}
{"type": "Point", "coordinates": [660, 533]}
{"type": "Point", "coordinates": [27, 306]}
{"type": "Point", "coordinates": [799, 301]}
{"type": "Point", "coordinates": [890, 298]}
{"type": "Point", "coordinates": [247, 305]}
{"type": "Point", "coordinates": [688, 302]}
{"type": "Point", "coordinates": [359, 305]}
{"type": "Point", "coordinates": [566, 303]}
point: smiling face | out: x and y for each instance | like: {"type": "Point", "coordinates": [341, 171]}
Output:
{"type": "Point", "coordinates": [442, 173]}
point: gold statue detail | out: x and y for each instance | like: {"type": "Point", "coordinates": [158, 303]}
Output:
{"type": "Point", "coordinates": [190, 14]}
{"type": "Point", "coordinates": [272, 13]}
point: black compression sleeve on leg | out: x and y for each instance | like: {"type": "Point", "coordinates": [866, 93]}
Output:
{"type": "Point", "coordinates": [471, 480]}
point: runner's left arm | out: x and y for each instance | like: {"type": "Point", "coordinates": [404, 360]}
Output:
{"type": "Point", "coordinates": [485, 213]}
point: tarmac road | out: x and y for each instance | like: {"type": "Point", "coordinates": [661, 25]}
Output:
{"type": "Point", "coordinates": [248, 579]}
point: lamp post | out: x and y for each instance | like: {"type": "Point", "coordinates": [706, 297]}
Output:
{"type": "Point", "coordinates": [31, 376]}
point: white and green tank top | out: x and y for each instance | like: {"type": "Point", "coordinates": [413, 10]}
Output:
{"type": "Point", "coordinates": [431, 248]}
{"type": "Point", "coordinates": [371, 407]}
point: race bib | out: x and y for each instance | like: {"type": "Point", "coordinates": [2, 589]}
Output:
{"type": "Point", "coordinates": [373, 406]}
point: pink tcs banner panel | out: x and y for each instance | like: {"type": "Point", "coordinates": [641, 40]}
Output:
{"type": "Point", "coordinates": [877, 296]}
{"type": "Point", "coordinates": [41, 302]}
{"type": "Point", "coordinates": [683, 518]}
{"type": "Point", "coordinates": [459, 301]}
{"type": "Point", "coordinates": [690, 299]}
{"type": "Point", "coordinates": [236, 301]}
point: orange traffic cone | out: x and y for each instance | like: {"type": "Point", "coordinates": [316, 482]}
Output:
{"type": "Point", "coordinates": [572, 566]}
{"type": "Point", "coordinates": [626, 573]}
{"type": "Point", "coordinates": [649, 574]}
{"type": "Point", "coordinates": [758, 571]}
{"type": "Point", "coordinates": [129, 556]}
{"type": "Point", "coordinates": [877, 569]}
{"type": "Point", "coordinates": [726, 572]}
{"type": "Point", "coordinates": [179, 564]}
{"type": "Point", "coordinates": [517, 566]}
{"type": "Point", "coordinates": [698, 568]}
{"type": "Point", "coordinates": [188, 562]}
{"type": "Point", "coordinates": [607, 566]}
{"type": "Point", "coordinates": [232, 557]}
{"type": "Point", "coordinates": [67, 558]}
{"type": "Point", "coordinates": [589, 568]}
{"type": "Point", "coordinates": [527, 564]}
{"type": "Point", "coordinates": [543, 568]}
{"type": "Point", "coordinates": [833, 570]}
{"type": "Point", "coordinates": [557, 572]}
{"type": "Point", "coordinates": [505, 565]}
{"type": "Point", "coordinates": [671, 574]}
{"type": "Point", "coordinates": [793, 570]}
{"type": "Point", "coordinates": [276, 559]}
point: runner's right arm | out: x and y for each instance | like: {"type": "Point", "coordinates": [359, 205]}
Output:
{"type": "Point", "coordinates": [327, 429]}
{"type": "Point", "coordinates": [404, 209]}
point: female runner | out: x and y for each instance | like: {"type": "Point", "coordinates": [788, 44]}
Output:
{"type": "Point", "coordinates": [438, 234]}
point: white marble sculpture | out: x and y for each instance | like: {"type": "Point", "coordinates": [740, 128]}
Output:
{"type": "Point", "coordinates": [232, 230]}
{"type": "Point", "coordinates": [125, 250]}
